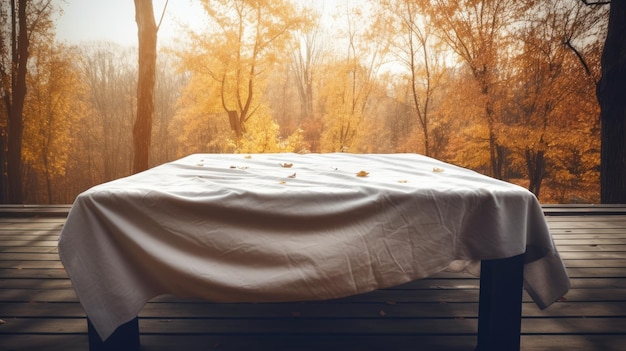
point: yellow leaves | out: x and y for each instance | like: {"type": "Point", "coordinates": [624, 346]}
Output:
{"type": "Point", "coordinates": [362, 174]}
{"type": "Point", "coordinates": [286, 165]}
{"type": "Point", "coordinates": [53, 106]}
{"type": "Point", "coordinates": [248, 38]}
{"type": "Point", "coordinates": [261, 134]}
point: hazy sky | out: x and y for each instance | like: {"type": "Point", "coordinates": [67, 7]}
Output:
{"type": "Point", "coordinates": [114, 20]}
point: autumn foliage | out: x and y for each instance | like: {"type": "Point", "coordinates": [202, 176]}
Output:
{"type": "Point", "coordinates": [504, 87]}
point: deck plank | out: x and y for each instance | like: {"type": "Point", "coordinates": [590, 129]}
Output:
{"type": "Point", "coordinates": [39, 309]}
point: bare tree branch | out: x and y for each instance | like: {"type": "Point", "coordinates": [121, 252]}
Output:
{"type": "Point", "coordinates": [588, 3]}
{"type": "Point", "coordinates": [568, 43]}
{"type": "Point", "coordinates": [162, 15]}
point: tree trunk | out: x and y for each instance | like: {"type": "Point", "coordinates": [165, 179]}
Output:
{"type": "Point", "coordinates": [142, 130]}
{"type": "Point", "coordinates": [536, 165]}
{"type": "Point", "coordinates": [19, 59]}
{"type": "Point", "coordinates": [610, 92]}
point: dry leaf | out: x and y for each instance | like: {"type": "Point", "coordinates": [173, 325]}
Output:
{"type": "Point", "coordinates": [362, 174]}
{"type": "Point", "coordinates": [437, 169]}
{"type": "Point", "coordinates": [247, 157]}
{"type": "Point", "coordinates": [282, 182]}
{"type": "Point", "coordinates": [292, 176]}
{"type": "Point", "coordinates": [286, 165]}
{"type": "Point", "coordinates": [403, 181]}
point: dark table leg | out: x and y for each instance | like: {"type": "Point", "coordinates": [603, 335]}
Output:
{"type": "Point", "coordinates": [500, 306]}
{"type": "Point", "coordinates": [125, 338]}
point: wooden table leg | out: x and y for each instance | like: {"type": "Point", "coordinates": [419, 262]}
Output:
{"type": "Point", "coordinates": [500, 306]}
{"type": "Point", "coordinates": [125, 338]}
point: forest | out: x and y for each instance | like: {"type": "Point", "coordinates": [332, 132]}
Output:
{"type": "Point", "coordinates": [503, 87]}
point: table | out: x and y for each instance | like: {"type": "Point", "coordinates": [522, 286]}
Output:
{"type": "Point", "coordinates": [292, 227]}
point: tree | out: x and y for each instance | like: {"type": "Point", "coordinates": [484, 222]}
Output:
{"type": "Point", "coordinates": [478, 31]}
{"type": "Point", "coordinates": [412, 43]}
{"type": "Point", "coordinates": [349, 82]}
{"type": "Point", "coordinates": [20, 22]}
{"type": "Point", "coordinates": [147, 36]}
{"type": "Point", "coordinates": [546, 79]}
{"type": "Point", "coordinates": [110, 74]}
{"type": "Point", "coordinates": [53, 107]}
{"type": "Point", "coordinates": [249, 38]}
{"type": "Point", "coordinates": [167, 92]}
{"type": "Point", "coordinates": [610, 93]}
{"type": "Point", "coordinates": [305, 60]}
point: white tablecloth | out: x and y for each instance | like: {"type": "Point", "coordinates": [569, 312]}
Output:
{"type": "Point", "coordinates": [285, 227]}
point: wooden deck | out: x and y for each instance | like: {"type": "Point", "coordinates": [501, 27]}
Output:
{"type": "Point", "coordinates": [39, 310]}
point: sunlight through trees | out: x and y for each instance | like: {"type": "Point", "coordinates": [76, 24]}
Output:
{"type": "Point", "coordinates": [504, 87]}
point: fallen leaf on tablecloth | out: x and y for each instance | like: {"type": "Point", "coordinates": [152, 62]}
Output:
{"type": "Point", "coordinates": [233, 167]}
{"type": "Point", "coordinates": [247, 157]}
{"type": "Point", "coordinates": [362, 174]}
{"type": "Point", "coordinates": [286, 165]}
{"type": "Point", "coordinates": [282, 182]}
{"type": "Point", "coordinates": [292, 176]}
{"type": "Point", "coordinates": [403, 181]}
{"type": "Point", "coordinates": [437, 169]}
